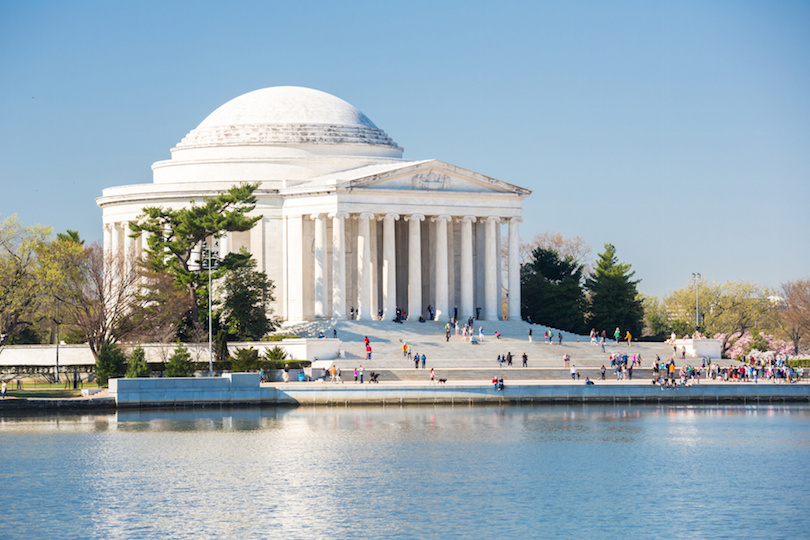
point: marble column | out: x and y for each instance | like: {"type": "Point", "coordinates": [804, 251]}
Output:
{"type": "Point", "coordinates": [491, 306]}
{"type": "Point", "coordinates": [145, 244]}
{"type": "Point", "coordinates": [115, 245]}
{"type": "Point", "coordinates": [467, 308]}
{"type": "Point", "coordinates": [364, 277]}
{"type": "Point", "coordinates": [442, 307]}
{"type": "Point", "coordinates": [389, 267]}
{"type": "Point", "coordinates": [319, 276]}
{"type": "Point", "coordinates": [224, 244]}
{"type": "Point", "coordinates": [129, 250]}
{"type": "Point", "coordinates": [339, 265]}
{"type": "Point", "coordinates": [107, 238]}
{"type": "Point", "coordinates": [415, 266]}
{"type": "Point", "coordinates": [514, 269]}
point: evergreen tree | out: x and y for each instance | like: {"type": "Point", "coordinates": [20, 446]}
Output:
{"type": "Point", "coordinates": [614, 299]}
{"type": "Point", "coordinates": [179, 364]}
{"type": "Point", "coordinates": [175, 238]}
{"type": "Point", "coordinates": [110, 363]}
{"type": "Point", "coordinates": [137, 364]}
{"type": "Point", "coordinates": [551, 291]}
{"type": "Point", "coordinates": [247, 295]}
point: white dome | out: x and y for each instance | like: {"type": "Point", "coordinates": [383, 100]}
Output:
{"type": "Point", "coordinates": [285, 115]}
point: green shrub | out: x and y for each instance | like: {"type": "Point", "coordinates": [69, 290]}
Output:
{"type": "Point", "coordinates": [109, 364]}
{"type": "Point", "coordinates": [801, 362]}
{"type": "Point", "coordinates": [279, 337]}
{"type": "Point", "coordinates": [245, 360]}
{"type": "Point", "coordinates": [137, 364]}
{"type": "Point", "coordinates": [275, 354]}
{"type": "Point", "coordinates": [179, 364]}
{"type": "Point", "coordinates": [279, 364]}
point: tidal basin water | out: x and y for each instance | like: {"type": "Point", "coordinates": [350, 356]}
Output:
{"type": "Point", "coordinates": [414, 472]}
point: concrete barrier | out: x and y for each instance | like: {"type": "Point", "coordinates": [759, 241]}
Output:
{"type": "Point", "coordinates": [245, 389]}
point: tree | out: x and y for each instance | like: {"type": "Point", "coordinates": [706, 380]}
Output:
{"type": "Point", "coordinates": [576, 248]}
{"type": "Point", "coordinates": [175, 236]}
{"type": "Point", "coordinates": [551, 291]}
{"type": "Point", "coordinates": [614, 299]}
{"type": "Point", "coordinates": [247, 295]}
{"type": "Point", "coordinates": [109, 363]}
{"type": "Point", "coordinates": [793, 317]}
{"type": "Point", "coordinates": [96, 292]}
{"type": "Point", "coordinates": [727, 311]}
{"type": "Point", "coordinates": [21, 283]}
{"type": "Point", "coordinates": [245, 360]}
{"type": "Point", "coordinates": [179, 364]}
{"type": "Point", "coordinates": [137, 364]}
{"type": "Point", "coordinates": [160, 311]}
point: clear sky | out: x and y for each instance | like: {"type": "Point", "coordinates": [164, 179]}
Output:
{"type": "Point", "coordinates": [677, 130]}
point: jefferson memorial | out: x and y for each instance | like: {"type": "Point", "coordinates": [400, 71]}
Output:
{"type": "Point", "coordinates": [349, 227]}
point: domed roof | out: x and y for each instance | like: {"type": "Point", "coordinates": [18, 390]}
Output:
{"type": "Point", "coordinates": [286, 115]}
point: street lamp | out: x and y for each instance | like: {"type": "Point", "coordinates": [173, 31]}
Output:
{"type": "Point", "coordinates": [697, 277]}
{"type": "Point", "coordinates": [210, 264]}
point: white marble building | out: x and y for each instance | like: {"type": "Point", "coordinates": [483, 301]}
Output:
{"type": "Point", "coordinates": [347, 222]}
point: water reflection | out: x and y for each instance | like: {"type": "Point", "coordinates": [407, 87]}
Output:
{"type": "Point", "coordinates": [336, 472]}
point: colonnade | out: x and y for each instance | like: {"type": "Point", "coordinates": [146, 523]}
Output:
{"type": "Point", "coordinates": [448, 246]}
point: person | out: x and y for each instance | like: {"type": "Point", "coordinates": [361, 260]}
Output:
{"type": "Point", "coordinates": [602, 371]}
{"type": "Point", "coordinates": [447, 334]}
{"type": "Point", "coordinates": [500, 383]}
{"type": "Point", "coordinates": [432, 375]}
{"type": "Point", "coordinates": [480, 333]}
{"type": "Point", "coordinates": [509, 359]}
{"type": "Point", "coordinates": [500, 362]}
{"type": "Point", "coordinates": [573, 372]}
{"type": "Point", "coordinates": [286, 372]}
{"type": "Point", "coordinates": [4, 389]}
{"type": "Point", "coordinates": [494, 383]}
{"type": "Point", "coordinates": [332, 373]}
{"type": "Point", "coordinates": [416, 361]}
{"type": "Point", "coordinates": [368, 353]}
{"type": "Point", "coordinates": [261, 375]}
{"type": "Point", "coordinates": [530, 335]}
{"type": "Point", "coordinates": [588, 380]}
{"type": "Point", "coordinates": [617, 334]}
{"type": "Point", "coordinates": [497, 334]}
{"type": "Point", "coordinates": [320, 335]}
{"type": "Point", "coordinates": [525, 360]}
{"type": "Point", "coordinates": [334, 333]}
{"type": "Point", "coordinates": [566, 360]}
{"type": "Point", "coordinates": [355, 375]}
{"type": "Point", "coordinates": [337, 376]}
{"type": "Point", "coordinates": [559, 336]}
{"type": "Point", "coordinates": [602, 343]}
{"type": "Point", "coordinates": [360, 372]}
{"type": "Point", "coordinates": [629, 338]}
{"type": "Point", "coordinates": [424, 359]}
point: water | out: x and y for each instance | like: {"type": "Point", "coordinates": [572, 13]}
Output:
{"type": "Point", "coordinates": [511, 472]}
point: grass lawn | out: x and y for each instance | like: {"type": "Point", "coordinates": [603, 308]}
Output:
{"type": "Point", "coordinates": [45, 393]}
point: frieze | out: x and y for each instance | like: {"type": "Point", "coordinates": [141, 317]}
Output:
{"type": "Point", "coordinates": [431, 180]}
{"type": "Point", "coordinates": [286, 134]}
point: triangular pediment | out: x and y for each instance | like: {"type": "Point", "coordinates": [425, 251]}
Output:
{"type": "Point", "coordinates": [432, 175]}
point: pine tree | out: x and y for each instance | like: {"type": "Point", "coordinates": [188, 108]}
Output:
{"type": "Point", "coordinates": [551, 291]}
{"type": "Point", "coordinates": [137, 364]}
{"type": "Point", "coordinates": [615, 302]}
{"type": "Point", "coordinates": [110, 363]}
{"type": "Point", "coordinates": [179, 364]}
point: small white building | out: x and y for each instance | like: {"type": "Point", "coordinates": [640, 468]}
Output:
{"type": "Point", "coordinates": [346, 221]}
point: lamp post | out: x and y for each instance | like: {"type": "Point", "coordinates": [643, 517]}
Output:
{"type": "Point", "coordinates": [209, 263]}
{"type": "Point", "coordinates": [697, 277]}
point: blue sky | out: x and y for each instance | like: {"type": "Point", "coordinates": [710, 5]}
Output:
{"type": "Point", "coordinates": [678, 131]}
